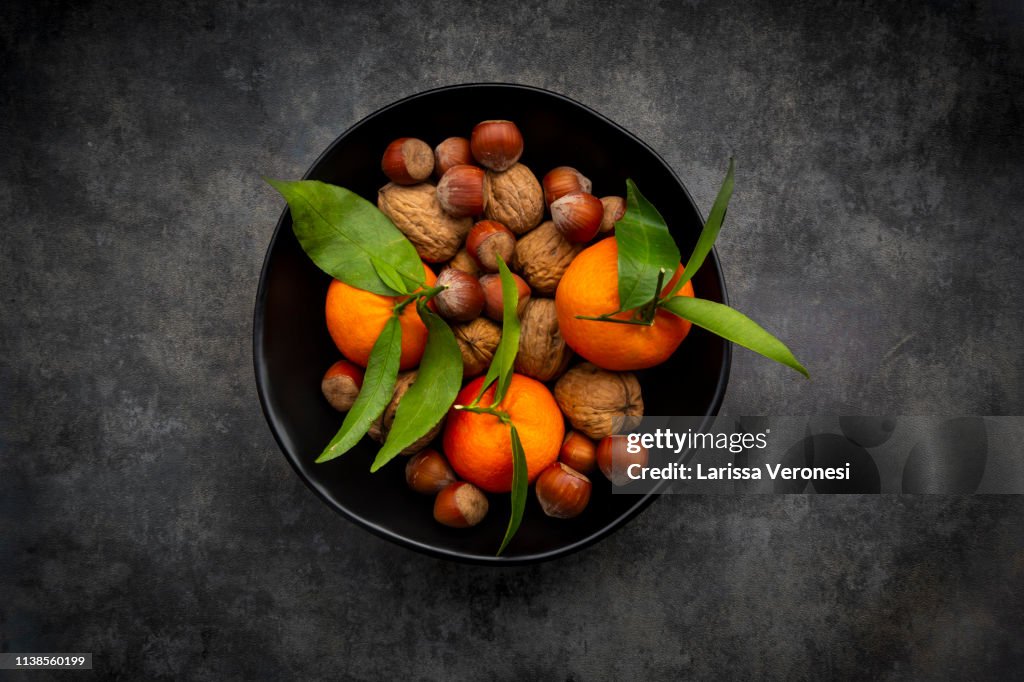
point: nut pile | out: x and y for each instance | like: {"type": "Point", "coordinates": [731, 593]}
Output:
{"type": "Point", "coordinates": [486, 205]}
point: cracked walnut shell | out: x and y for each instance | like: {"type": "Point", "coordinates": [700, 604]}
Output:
{"type": "Point", "coordinates": [543, 256]}
{"type": "Point", "coordinates": [595, 400]}
{"type": "Point", "coordinates": [543, 353]}
{"type": "Point", "coordinates": [416, 212]}
{"type": "Point", "coordinates": [515, 198]}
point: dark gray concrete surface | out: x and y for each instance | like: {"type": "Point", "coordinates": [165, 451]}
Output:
{"type": "Point", "coordinates": [146, 514]}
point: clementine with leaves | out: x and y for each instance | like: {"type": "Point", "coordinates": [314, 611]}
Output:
{"type": "Point", "coordinates": [590, 287]}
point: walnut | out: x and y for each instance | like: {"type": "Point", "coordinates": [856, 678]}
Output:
{"type": "Point", "coordinates": [543, 256]}
{"type": "Point", "coordinates": [477, 340]}
{"type": "Point", "coordinates": [415, 211]}
{"type": "Point", "coordinates": [543, 354]}
{"type": "Point", "coordinates": [381, 426]}
{"type": "Point", "coordinates": [515, 198]}
{"type": "Point", "coordinates": [463, 261]}
{"type": "Point", "coordinates": [593, 399]}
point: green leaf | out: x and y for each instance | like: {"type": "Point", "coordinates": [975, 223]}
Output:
{"type": "Point", "coordinates": [504, 358]}
{"type": "Point", "coordinates": [343, 233]}
{"type": "Point", "coordinates": [709, 234]}
{"type": "Point", "coordinates": [389, 275]}
{"type": "Point", "coordinates": [734, 326]}
{"type": "Point", "coordinates": [520, 483]}
{"type": "Point", "coordinates": [374, 396]}
{"type": "Point", "coordinates": [645, 247]}
{"type": "Point", "coordinates": [428, 399]}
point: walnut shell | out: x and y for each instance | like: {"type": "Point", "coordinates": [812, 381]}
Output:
{"type": "Point", "coordinates": [515, 198]}
{"type": "Point", "coordinates": [477, 340]}
{"type": "Point", "coordinates": [381, 426]}
{"type": "Point", "coordinates": [543, 353]}
{"type": "Point", "coordinates": [543, 256]}
{"type": "Point", "coordinates": [463, 261]}
{"type": "Point", "coordinates": [415, 211]}
{"type": "Point", "coordinates": [594, 400]}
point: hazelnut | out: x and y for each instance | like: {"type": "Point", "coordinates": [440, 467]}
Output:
{"type": "Point", "coordinates": [428, 472]}
{"type": "Point", "coordinates": [614, 458]}
{"type": "Point", "coordinates": [381, 426]}
{"type": "Point", "coordinates": [515, 199]}
{"type": "Point", "coordinates": [463, 261]}
{"type": "Point", "coordinates": [564, 180]}
{"type": "Point", "coordinates": [407, 161]}
{"type": "Point", "coordinates": [452, 152]}
{"type": "Point", "coordinates": [543, 353]}
{"type": "Point", "coordinates": [341, 384]}
{"type": "Point", "coordinates": [415, 211]}
{"type": "Point", "coordinates": [597, 402]}
{"type": "Point", "coordinates": [496, 144]}
{"type": "Point", "coordinates": [463, 299]}
{"type": "Point", "coordinates": [614, 209]}
{"type": "Point", "coordinates": [563, 492]}
{"type": "Point", "coordinates": [578, 452]}
{"type": "Point", "coordinates": [460, 505]}
{"type": "Point", "coordinates": [542, 257]}
{"type": "Point", "coordinates": [577, 216]}
{"type": "Point", "coordinates": [494, 298]}
{"type": "Point", "coordinates": [462, 192]}
{"type": "Point", "coordinates": [487, 240]}
{"type": "Point", "coordinates": [477, 340]}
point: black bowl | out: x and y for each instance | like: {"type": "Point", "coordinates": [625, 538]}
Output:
{"type": "Point", "coordinates": [292, 348]}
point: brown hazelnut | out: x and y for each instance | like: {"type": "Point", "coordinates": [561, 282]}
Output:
{"type": "Point", "coordinates": [496, 144]}
{"type": "Point", "coordinates": [381, 426]}
{"type": "Point", "coordinates": [614, 458]}
{"type": "Point", "coordinates": [428, 472]}
{"type": "Point", "coordinates": [515, 199]}
{"type": "Point", "coordinates": [407, 161]}
{"type": "Point", "coordinates": [614, 209]}
{"type": "Point", "coordinates": [487, 240]}
{"type": "Point", "coordinates": [564, 180]}
{"type": "Point", "coordinates": [543, 353]}
{"type": "Point", "coordinates": [462, 191]}
{"type": "Point", "coordinates": [463, 300]}
{"type": "Point", "coordinates": [578, 452]}
{"type": "Point", "coordinates": [463, 261]}
{"type": "Point", "coordinates": [451, 152]}
{"type": "Point", "coordinates": [341, 384]}
{"type": "Point", "coordinates": [542, 256]}
{"type": "Point", "coordinates": [563, 492]}
{"type": "Point", "coordinates": [415, 211]}
{"type": "Point", "coordinates": [460, 505]}
{"type": "Point", "coordinates": [494, 298]}
{"type": "Point", "coordinates": [477, 340]}
{"type": "Point", "coordinates": [597, 402]}
{"type": "Point", "coordinates": [577, 216]}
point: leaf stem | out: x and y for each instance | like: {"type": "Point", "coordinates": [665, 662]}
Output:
{"type": "Point", "coordinates": [500, 414]}
{"type": "Point", "coordinates": [425, 294]}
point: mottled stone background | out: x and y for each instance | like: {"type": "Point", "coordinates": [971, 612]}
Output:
{"type": "Point", "coordinates": [146, 514]}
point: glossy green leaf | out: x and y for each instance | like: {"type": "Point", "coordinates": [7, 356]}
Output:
{"type": "Point", "coordinates": [520, 485]}
{"type": "Point", "coordinates": [375, 394]}
{"type": "Point", "coordinates": [645, 248]}
{"type": "Point", "coordinates": [734, 326]}
{"type": "Point", "coordinates": [390, 276]}
{"type": "Point", "coordinates": [504, 359]}
{"type": "Point", "coordinates": [712, 226]}
{"type": "Point", "coordinates": [343, 234]}
{"type": "Point", "coordinates": [428, 399]}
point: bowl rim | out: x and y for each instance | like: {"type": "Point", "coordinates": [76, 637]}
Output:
{"type": "Point", "coordinates": [262, 378]}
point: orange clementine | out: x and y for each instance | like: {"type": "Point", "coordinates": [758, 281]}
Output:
{"type": "Point", "coordinates": [479, 446]}
{"type": "Point", "coordinates": [590, 287]}
{"type": "Point", "coordinates": [355, 318]}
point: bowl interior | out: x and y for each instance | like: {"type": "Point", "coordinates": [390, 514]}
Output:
{"type": "Point", "coordinates": [292, 347]}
